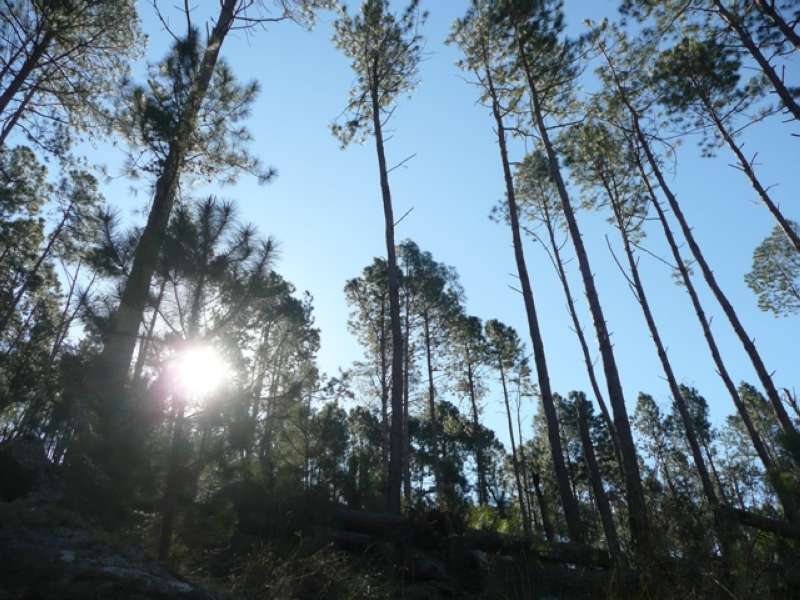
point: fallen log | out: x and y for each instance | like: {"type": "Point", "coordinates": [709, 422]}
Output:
{"type": "Point", "coordinates": [394, 527]}
{"type": "Point", "coordinates": [756, 521]}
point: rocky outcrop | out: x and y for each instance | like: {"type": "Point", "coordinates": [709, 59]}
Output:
{"type": "Point", "coordinates": [68, 564]}
{"type": "Point", "coordinates": [24, 468]}
{"type": "Point", "coordinates": [48, 552]}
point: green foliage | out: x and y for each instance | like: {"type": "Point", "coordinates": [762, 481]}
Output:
{"type": "Point", "coordinates": [152, 118]}
{"type": "Point", "coordinates": [61, 65]}
{"type": "Point", "coordinates": [385, 50]}
{"type": "Point", "coordinates": [775, 274]}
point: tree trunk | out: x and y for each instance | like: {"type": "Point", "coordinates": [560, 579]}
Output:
{"type": "Point", "coordinates": [384, 375]}
{"type": "Point", "coordinates": [120, 339]}
{"type": "Point", "coordinates": [65, 320]}
{"type": "Point", "coordinates": [482, 496]}
{"type": "Point", "coordinates": [666, 366]}
{"type": "Point", "coordinates": [145, 345]}
{"type": "Point", "coordinates": [169, 506]}
{"type": "Point", "coordinates": [748, 42]}
{"type": "Point", "coordinates": [524, 470]}
{"type": "Point", "coordinates": [406, 457]}
{"type": "Point", "coordinates": [517, 476]}
{"type": "Point", "coordinates": [766, 379]}
{"type": "Point", "coordinates": [747, 169]}
{"type": "Point", "coordinates": [568, 501]}
{"type": "Point", "coordinates": [547, 524]}
{"type": "Point", "coordinates": [51, 242]}
{"type": "Point", "coordinates": [437, 437]}
{"type": "Point", "coordinates": [768, 8]}
{"type": "Point", "coordinates": [784, 495]}
{"type": "Point", "coordinates": [396, 431]}
{"type": "Point", "coordinates": [596, 481]}
{"type": "Point", "coordinates": [587, 359]}
{"type": "Point", "coordinates": [25, 70]}
{"type": "Point", "coordinates": [637, 510]}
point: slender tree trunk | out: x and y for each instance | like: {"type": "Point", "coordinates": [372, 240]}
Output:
{"type": "Point", "coordinates": [576, 324]}
{"type": "Point", "coordinates": [48, 249]}
{"type": "Point", "coordinates": [145, 345]}
{"type": "Point", "coordinates": [396, 431]}
{"type": "Point", "coordinates": [568, 501]}
{"type": "Point", "coordinates": [406, 369]}
{"type": "Point", "coordinates": [28, 66]}
{"type": "Point", "coordinates": [64, 321]}
{"type": "Point", "coordinates": [482, 496]}
{"type": "Point", "coordinates": [637, 510]}
{"type": "Point", "coordinates": [714, 472]}
{"type": "Point", "coordinates": [596, 481]}
{"type": "Point", "coordinates": [747, 169]}
{"type": "Point", "coordinates": [784, 495]}
{"type": "Point", "coordinates": [438, 442]}
{"type": "Point", "coordinates": [517, 476]}
{"type": "Point", "coordinates": [20, 333]}
{"type": "Point", "coordinates": [723, 532]}
{"type": "Point", "coordinates": [547, 524]}
{"type": "Point", "coordinates": [120, 340]}
{"type": "Point", "coordinates": [735, 23]}
{"type": "Point", "coordinates": [766, 379]}
{"type": "Point", "coordinates": [523, 463]}
{"type": "Point", "coordinates": [169, 506]}
{"type": "Point", "coordinates": [768, 8]}
{"type": "Point", "coordinates": [384, 375]}
{"type": "Point", "coordinates": [19, 110]}
{"type": "Point", "coordinates": [666, 366]}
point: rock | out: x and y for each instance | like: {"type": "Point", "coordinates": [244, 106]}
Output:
{"type": "Point", "coordinates": [68, 564]}
{"type": "Point", "coordinates": [24, 468]}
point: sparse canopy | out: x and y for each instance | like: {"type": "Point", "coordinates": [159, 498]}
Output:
{"type": "Point", "coordinates": [385, 50]}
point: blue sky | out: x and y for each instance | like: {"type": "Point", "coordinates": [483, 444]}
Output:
{"type": "Point", "coordinates": [324, 208]}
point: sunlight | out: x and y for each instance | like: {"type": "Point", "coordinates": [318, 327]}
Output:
{"type": "Point", "coordinates": [199, 370]}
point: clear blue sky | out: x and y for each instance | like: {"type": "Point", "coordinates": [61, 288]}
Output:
{"type": "Point", "coordinates": [325, 210]}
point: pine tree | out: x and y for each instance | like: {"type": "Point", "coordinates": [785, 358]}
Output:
{"type": "Point", "coordinates": [385, 50]}
{"type": "Point", "coordinates": [548, 65]}
{"type": "Point", "coordinates": [775, 274]}
{"type": "Point", "coordinates": [475, 36]}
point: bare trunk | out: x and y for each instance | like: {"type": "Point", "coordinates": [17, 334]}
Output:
{"type": "Point", "coordinates": [406, 436]}
{"type": "Point", "coordinates": [768, 8]}
{"type": "Point", "coordinates": [396, 431]}
{"type": "Point", "coordinates": [587, 359]}
{"type": "Point", "coordinates": [748, 42]}
{"type": "Point", "coordinates": [596, 481]}
{"type": "Point", "coordinates": [637, 510]}
{"type": "Point", "coordinates": [785, 497]}
{"type": "Point", "coordinates": [666, 366]}
{"type": "Point", "coordinates": [384, 375]}
{"type": "Point", "coordinates": [517, 476]}
{"type": "Point", "coordinates": [145, 345]}
{"type": "Point", "coordinates": [438, 442]}
{"type": "Point", "coordinates": [524, 470]}
{"type": "Point", "coordinates": [747, 169]}
{"type": "Point", "coordinates": [568, 501]}
{"type": "Point", "coordinates": [482, 496]}
{"type": "Point", "coordinates": [544, 511]}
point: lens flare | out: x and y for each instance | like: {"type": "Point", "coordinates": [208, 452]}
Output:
{"type": "Point", "coordinates": [199, 371]}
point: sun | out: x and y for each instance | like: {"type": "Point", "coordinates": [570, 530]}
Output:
{"type": "Point", "coordinates": [199, 371]}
